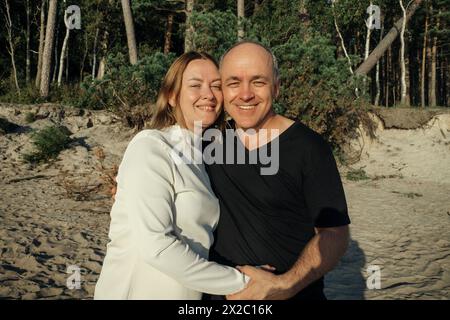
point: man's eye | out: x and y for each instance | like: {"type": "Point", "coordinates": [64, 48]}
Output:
{"type": "Point", "coordinates": [195, 86]}
{"type": "Point", "coordinates": [259, 83]}
{"type": "Point", "coordinates": [233, 84]}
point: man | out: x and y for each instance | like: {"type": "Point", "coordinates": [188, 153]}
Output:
{"type": "Point", "coordinates": [294, 220]}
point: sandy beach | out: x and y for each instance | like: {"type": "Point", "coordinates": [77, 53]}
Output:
{"type": "Point", "coordinates": [56, 215]}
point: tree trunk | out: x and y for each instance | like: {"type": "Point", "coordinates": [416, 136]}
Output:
{"type": "Point", "coordinates": [11, 48]}
{"type": "Point", "coordinates": [55, 69]}
{"type": "Point", "coordinates": [86, 47]}
{"type": "Point", "coordinates": [389, 77]}
{"type": "Point", "coordinates": [101, 68]}
{"type": "Point", "coordinates": [446, 81]}
{"type": "Point", "coordinates": [47, 55]}
{"type": "Point", "coordinates": [63, 51]}
{"type": "Point", "coordinates": [367, 46]}
{"type": "Point", "coordinates": [432, 92]}
{"type": "Point", "coordinates": [428, 67]}
{"type": "Point", "coordinates": [168, 34]}
{"type": "Point", "coordinates": [377, 74]}
{"type": "Point", "coordinates": [129, 26]}
{"type": "Point", "coordinates": [341, 38]}
{"type": "Point", "coordinates": [28, 62]}
{"type": "Point", "coordinates": [104, 49]}
{"type": "Point", "coordinates": [189, 32]}
{"type": "Point", "coordinates": [396, 79]}
{"type": "Point", "coordinates": [356, 44]}
{"type": "Point", "coordinates": [444, 75]}
{"type": "Point", "coordinates": [94, 55]}
{"type": "Point", "coordinates": [104, 45]}
{"type": "Point", "coordinates": [305, 22]}
{"type": "Point", "coordinates": [41, 44]}
{"type": "Point", "coordinates": [386, 83]}
{"type": "Point", "coordinates": [368, 34]}
{"type": "Point", "coordinates": [67, 63]}
{"type": "Point", "coordinates": [407, 75]}
{"type": "Point", "coordinates": [240, 16]}
{"type": "Point", "coordinates": [256, 6]}
{"type": "Point", "coordinates": [440, 78]}
{"type": "Point", "coordinates": [378, 52]}
{"type": "Point", "coordinates": [403, 99]}
{"type": "Point", "coordinates": [424, 60]}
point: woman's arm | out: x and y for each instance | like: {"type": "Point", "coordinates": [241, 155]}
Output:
{"type": "Point", "coordinates": [147, 188]}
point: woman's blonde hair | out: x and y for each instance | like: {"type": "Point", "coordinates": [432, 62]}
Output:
{"type": "Point", "coordinates": [165, 115]}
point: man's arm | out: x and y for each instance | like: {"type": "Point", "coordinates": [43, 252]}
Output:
{"type": "Point", "coordinates": [321, 254]}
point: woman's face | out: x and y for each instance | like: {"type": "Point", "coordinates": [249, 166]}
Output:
{"type": "Point", "coordinates": [200, 98]}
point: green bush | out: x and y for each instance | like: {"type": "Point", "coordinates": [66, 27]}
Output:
{"type": "Point", "coordinates": [125, 86]}
{"type": "Point", "coordinates": [66, 94]}
{"type": "Point", "coordinates": [28, 95]}
{"type": "Point", "coordinates": [7, 127]}
{"type": "Point", "coordinates": [49, 142]}
{"type": "Point", "coordinates": [357, 175]}
{"type": "Point", "coordinates": [30, 117]}
{"type": "Point", "coordinates": [215, 31]}
{"type": "Point", "coordinates": [4, 87]}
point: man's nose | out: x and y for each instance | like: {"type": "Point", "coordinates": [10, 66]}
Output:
{"type": "Point", "coordinates": [246, 93]}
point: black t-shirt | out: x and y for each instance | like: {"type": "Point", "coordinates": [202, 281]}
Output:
{"type": "Point", "coordinates": [269, 219]}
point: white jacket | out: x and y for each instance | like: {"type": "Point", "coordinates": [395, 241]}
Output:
{"type": "Point", "coordinates": [162, 224]}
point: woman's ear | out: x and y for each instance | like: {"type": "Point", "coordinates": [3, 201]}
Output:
{"type": "Point", "coordinates": [172, 101]}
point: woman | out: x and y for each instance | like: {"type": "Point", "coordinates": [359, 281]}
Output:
{"type": "Point", "coordinates": [164, 213]}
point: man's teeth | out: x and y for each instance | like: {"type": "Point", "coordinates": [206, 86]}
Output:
{"type": "Point", "coordinates": [247, 107]}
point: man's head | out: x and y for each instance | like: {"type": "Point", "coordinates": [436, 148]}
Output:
{"type": "Point", "coordinates": [250, 82]}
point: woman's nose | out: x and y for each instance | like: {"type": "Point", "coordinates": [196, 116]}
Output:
{"type": "Point", "coordinates": [207, 94]}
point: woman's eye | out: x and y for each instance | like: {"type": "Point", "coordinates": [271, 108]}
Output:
{"type": "Point", "coordinates": [217, 87]}
{"type": "Point", "coordinates": [195, 86]}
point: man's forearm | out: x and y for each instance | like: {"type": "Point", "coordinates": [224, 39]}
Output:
{"type": "Point", "coordinates": [320, 255]}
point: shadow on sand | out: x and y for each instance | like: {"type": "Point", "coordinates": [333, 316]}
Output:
{"type": "Point", "coordinates": [347, 281]}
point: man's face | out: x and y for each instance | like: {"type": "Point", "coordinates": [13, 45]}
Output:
{"type": "Point", "coordinates": [248, 85]}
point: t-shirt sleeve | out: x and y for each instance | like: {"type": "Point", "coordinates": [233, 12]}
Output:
{"type": "Point", "coordinates": [148, 192]}
{"type": "Point", "coordinates": [322, 186]}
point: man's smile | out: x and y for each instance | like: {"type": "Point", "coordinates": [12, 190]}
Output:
{"type": "Point", "coordinates": [247, 107]}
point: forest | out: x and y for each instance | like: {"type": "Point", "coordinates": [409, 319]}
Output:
{"type": "Point", "coordinates": [336, 57]}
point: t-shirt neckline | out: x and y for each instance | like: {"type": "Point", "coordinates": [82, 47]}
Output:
{"type": "Point", "coordinates": [281, 137]}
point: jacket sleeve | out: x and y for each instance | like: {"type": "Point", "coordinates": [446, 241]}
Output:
{"type": "Point", "coordinates": [146, 175]}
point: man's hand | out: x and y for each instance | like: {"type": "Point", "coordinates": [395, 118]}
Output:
{"type": "Point", "coordinates": [263, 285]}
{"type": "Point", "coordinates": [320, 255]}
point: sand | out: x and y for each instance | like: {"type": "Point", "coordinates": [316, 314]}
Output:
{"type": "Point", "coordinates": [400, 215]}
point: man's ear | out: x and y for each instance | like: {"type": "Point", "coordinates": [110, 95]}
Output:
{"type": "Point", "coordinates": [276, 89]}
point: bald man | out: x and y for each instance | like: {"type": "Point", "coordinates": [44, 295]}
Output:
{"type": "Point", "coordinates": [294, 220]}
